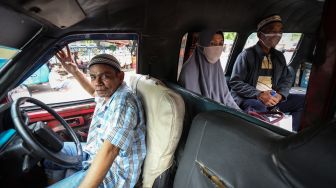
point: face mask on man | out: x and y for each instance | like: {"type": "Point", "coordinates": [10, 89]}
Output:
{"type": "Point", "coordinates": [270, 40]}
{"type": "Point", "coordinates": [213, 53]}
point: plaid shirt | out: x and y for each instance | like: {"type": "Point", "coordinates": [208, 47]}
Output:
{"type": "Point", "coordinates": [121, 121]}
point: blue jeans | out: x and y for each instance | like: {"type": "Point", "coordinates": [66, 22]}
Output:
{"type": "Point", "coordinates": [73, 176]}
{"type": "Point", "coordinates": [293, 105]}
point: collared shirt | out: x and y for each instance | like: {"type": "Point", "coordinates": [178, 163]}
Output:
{"type": "Point", "coordinates": [245, 73]}
{"type": "Point", "coordinates": [121, 121]}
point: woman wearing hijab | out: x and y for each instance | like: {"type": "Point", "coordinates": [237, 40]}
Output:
{"type": "Point", "coordinates": [202, 73]}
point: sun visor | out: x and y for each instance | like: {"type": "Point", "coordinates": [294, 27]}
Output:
{"type": "Point", "coordinates": [62, 13]}
{"type": "Point", "coordinates": [16, 28]}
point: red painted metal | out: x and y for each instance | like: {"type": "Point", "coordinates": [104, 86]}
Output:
{"type": "Point", "coordinates": [71, 111]}
{"type": "Point", "coordinates": [5, 100]}
{"type": "Point", "coordinates": [73, 122]}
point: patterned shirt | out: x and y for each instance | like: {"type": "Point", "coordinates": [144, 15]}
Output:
{"type": "Point", "coordinates": [121, 121]}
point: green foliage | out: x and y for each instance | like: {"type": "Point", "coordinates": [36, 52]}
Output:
{"type": "Point", "coordinates": [113, 47]}
{"type": "Point", "coordinates": [230, 35]}
{"type": "Point", "coordinates": [296, 36]}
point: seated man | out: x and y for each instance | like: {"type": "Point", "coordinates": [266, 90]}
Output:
{"type": "Point", "coordinates": [115, 148]}
{"type": "Point", "coordinates": [260, 78]}
{"type": "Point", "coordinates": [202, 73]}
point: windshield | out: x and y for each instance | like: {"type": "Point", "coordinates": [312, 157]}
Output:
{"type": "Point", "coordinates": [52, 84]}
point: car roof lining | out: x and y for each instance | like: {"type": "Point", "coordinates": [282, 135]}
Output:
{"type": "Point", "coordinates": [166, 16]}
{"type": "Point", "coordinates": [160, 25]}
{"type": "Point", "coordinates": [61, 13]}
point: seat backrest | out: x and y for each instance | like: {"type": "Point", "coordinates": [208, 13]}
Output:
{"type": "Point", "coordinates": [224, 150]}
{"type": "Point", "coordinates": [164, 111]}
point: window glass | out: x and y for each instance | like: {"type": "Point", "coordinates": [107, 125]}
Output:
{"type": "Point", "coordinates": [6, 54]}
{"type": "Point", "coordinates": [181, 54]}
{"type": "Point", "coordinates": [287, 44]}
{"type": "Point", "coordinates": [302, 77]}
{"type": "Point", "coordinates": [229, 38]}
{"type": "Point", "coordinates": [52, 84]}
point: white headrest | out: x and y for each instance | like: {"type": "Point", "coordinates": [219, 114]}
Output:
{"type": "Point", "coordinates": [164, 111]}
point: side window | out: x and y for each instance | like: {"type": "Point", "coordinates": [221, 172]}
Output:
{"type": "Point", "coordinates": [304, 71]}
{"type": "Point", "coordinates": [182, 54]}
{"type": "Point", "coordinates": [287, 45]}
{"type": "Point", "coordinates": [52, 84]}
{"type": "Point", "coordinates": [229, 38]}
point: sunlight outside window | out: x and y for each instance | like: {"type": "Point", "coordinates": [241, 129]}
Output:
{"type": "Point", "coordinates": [287, 45]}
{"type": "Point", "coordinates": [52, 84]}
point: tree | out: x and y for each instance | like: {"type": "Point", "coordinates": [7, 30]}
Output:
{"type": "Point", "coordinates": [229, 36]}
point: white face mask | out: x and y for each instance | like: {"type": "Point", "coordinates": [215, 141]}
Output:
{"type": "Point", "coordinates": [270, 40]}
{"type": "Point", "coordinates": [213, 53]}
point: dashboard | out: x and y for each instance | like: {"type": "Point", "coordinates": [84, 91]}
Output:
{"type": "Point", "coordinates": [7, 130]}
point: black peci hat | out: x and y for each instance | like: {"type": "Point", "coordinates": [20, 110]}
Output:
{"type": "Point", "coordinates": [106, 59]}
{"type": "Point", "coordinates": [268, 20]}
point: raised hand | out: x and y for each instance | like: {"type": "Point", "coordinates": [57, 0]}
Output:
{"type": "Point", "coordinates": [67, 61]}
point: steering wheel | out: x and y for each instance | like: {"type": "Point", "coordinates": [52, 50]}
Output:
{"type": "Point", "coordinates": [37, 147]}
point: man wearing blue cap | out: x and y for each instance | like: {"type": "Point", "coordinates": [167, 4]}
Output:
{"type": "Point", "coordinates": [115, 147]}
{"type": "Point", "coordinates": [260, 79]}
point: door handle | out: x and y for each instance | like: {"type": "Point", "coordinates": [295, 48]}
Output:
{"type": "Point", "coordinates": [75, 121]}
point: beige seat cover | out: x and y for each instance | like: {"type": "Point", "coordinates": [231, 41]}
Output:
{"type": "Point", "coordinates": [164, 111]}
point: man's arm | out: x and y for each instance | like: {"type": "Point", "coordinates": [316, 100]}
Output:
{"type": "Point", "coordinates": [71, 67]}
{"type": "Point", "coordinates": [117, 138]}
{"type": "Point", "coordinates": [284, 83]}
{"type": "Point", "coordinates": [283, 77]}
{"type": "Point", "coordinates": [100, 165]}
{"type": "Point", "coordinates": [238, 77]}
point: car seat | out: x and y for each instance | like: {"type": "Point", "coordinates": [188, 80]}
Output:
{"type": "Point", "coordinates": [164, 110]}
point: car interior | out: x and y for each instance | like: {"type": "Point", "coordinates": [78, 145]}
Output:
{"type": "Point", "coordinates": [191, 140]}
